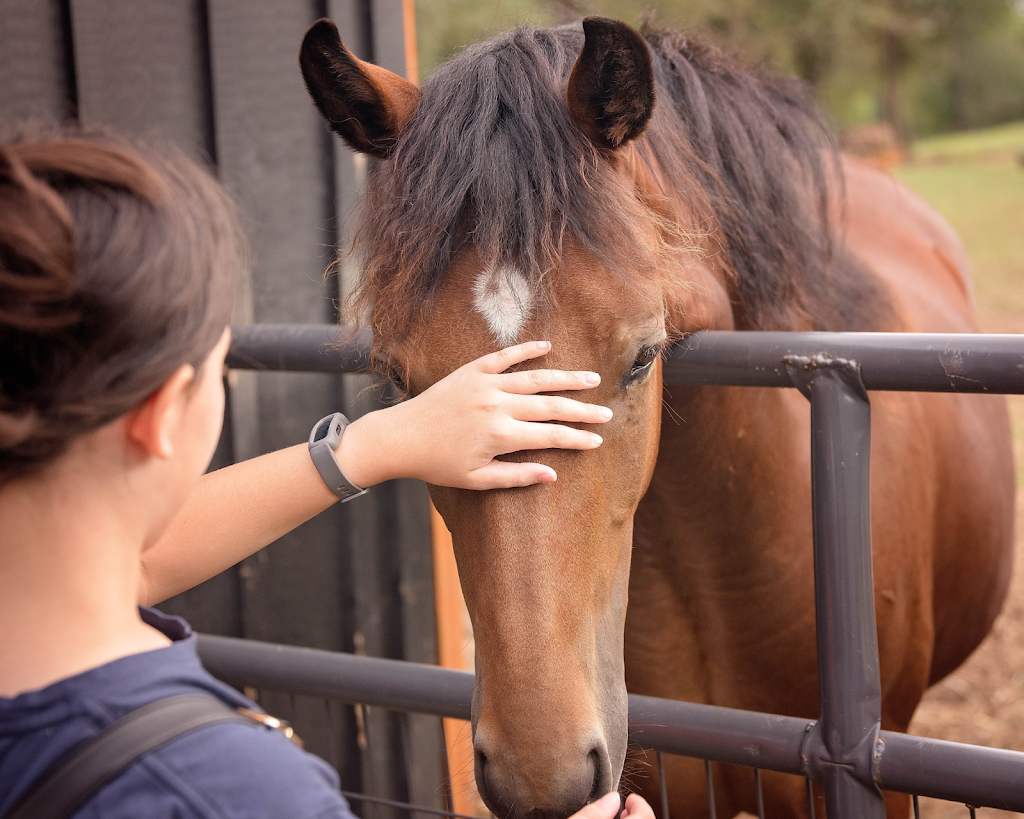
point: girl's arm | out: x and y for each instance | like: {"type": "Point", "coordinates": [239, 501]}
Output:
{"type": "Point", "coordinates": [231, 514]}
{"type": "Point", "coordinates": [449, 436]}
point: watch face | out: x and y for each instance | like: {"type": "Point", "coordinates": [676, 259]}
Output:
{"type": "Point", "coordinates": [323, 429]}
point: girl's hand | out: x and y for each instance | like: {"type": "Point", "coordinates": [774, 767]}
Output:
{"type": "Point", "coordinates": [637, 808]}
{"type": "Point", "coordinates": [607, 807]}
{"type": "Point", "coordinates": [450, 434]}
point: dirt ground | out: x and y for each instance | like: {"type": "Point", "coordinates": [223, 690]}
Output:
{"type": "Point", "coordinates": [982, 702]}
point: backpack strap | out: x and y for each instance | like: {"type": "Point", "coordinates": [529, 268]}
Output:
{"type": "Point", "coordinates": [88, 767]}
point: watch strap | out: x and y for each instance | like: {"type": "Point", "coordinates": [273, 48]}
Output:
{"type": "Point", "coordinates": [322, 443]}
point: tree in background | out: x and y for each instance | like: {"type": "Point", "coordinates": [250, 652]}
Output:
{"type": "Point", "coordinates": [969, 70]}
{"type": "Point", "coordinates": [932, 50]}
{"type": "Point", "coordinates": [924, 66]}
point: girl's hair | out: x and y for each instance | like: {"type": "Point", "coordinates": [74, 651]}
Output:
{"type": "Point", "coordinates": [117, 265]}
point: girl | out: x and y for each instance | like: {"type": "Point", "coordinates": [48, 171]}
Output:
{"type": "Point", "coordinates": [117, 270]}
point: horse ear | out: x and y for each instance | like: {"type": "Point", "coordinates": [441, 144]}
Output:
{"type": "Point", "coordinates": [368, 106]}
{"type": "Point", "coordinates": [611, 88]}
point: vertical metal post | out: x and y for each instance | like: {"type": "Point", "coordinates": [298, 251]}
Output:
{"type": "Point", "coordinates": [851, 698]}
{"type": "Point", "coordinates": [663, 785]}
{"type": "Point", "coordinates": [712, 813]}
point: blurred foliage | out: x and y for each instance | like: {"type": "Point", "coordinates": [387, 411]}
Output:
{"type": "Point", "coordinates": [926, 66]}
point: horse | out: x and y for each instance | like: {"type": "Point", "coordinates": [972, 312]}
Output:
{"type": "Point", "coordinates": [613, 192]}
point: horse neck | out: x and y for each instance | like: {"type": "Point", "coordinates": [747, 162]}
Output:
{"type": "Point", "coordinates": [736, 444]}
{"type": "Point", "coordinates": [733, 462]}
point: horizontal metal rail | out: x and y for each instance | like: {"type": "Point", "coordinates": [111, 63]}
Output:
{"type": "Point", "coordinates": [845, 751]}
{"type": "Point", "coordinates": [906, 362]}
{"type": "Point", "coordinates": [315, 348]}
{"type": "Point", "coordinates": [929, 767]}
{"type": "Point", "coordinates": [915, 362]}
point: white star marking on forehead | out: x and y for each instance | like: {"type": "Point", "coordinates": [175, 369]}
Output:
{"type": "Point", "coordinates": [502, 296]}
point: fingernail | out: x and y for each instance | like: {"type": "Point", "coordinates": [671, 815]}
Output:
{"type": "Point", "coordinates": [596, 439]}
{"type": "Point", "coordinates": [609, 801]}
{"type": "Point", "coordinates": [591, 378]}
{"type": "Point", "coordinates": [605, 413]}
{"type": "Point", "coordinates": [547, 477]}
{"type": "Point", "coordinates": [543, 345]}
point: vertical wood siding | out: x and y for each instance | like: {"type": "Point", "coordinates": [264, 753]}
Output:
{"type": "Point", "coordinates": [220, 79]}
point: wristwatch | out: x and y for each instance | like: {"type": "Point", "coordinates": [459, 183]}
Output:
{"type": "Point", "coordinates": [323, 440]}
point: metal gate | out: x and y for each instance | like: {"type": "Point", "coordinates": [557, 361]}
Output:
{"type": "Point", "coordinates": [844, 751]}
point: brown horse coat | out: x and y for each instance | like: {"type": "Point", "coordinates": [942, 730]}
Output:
{"type": "Point", "coordinates": [611, 192]}
{"type": "Point", "coordinates": [721, 590]}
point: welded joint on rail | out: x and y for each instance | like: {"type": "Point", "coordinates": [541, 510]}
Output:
{"type": "Point", "coordinates": [876, 761]}
{"type": "Point", "coordinates": [802, 370]}
{"type": "Point", "coordinates": [862, 761]}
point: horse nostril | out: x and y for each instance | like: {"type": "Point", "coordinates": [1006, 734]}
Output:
{"type": "Point", "coordinates": [602, 774]}
{"type": "Point", "coordinates": [480, 761]}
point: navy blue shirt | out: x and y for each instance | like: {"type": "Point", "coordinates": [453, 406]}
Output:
{"type": "Point", "coordinates": [229, 770]}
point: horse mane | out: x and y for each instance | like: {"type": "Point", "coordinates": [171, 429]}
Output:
{"type": "Point", "coordinates": [766, 162]}
{"type": "Point", "coordinates": [492, 160]}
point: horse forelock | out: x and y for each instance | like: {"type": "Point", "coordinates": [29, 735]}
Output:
{"type": "Point", "coordinates": [492, 161]}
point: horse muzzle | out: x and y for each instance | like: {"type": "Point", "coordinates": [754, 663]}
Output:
{"type": "Point", "coordinates": [545, 786]}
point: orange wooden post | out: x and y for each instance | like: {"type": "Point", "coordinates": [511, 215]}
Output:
{"type": "Point", "coordinates": [412, 63]}
{"type": "Point", "coordinates": [454, 650]}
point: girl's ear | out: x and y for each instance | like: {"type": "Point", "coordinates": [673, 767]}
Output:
{"type": "Point", "coordinates": [152, 424]}
{"type": "Point", "coordinates": [611, 89]}
{"type": "Point", "coordinates": [366, 105]}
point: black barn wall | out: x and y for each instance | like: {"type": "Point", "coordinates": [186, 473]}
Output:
{"type": "Point", "coordinates": [219, 79]}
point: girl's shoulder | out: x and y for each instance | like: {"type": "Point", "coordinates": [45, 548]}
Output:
{"type": "Point", "coordinates": [227, 770]}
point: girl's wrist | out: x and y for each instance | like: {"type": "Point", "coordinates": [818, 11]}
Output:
{"type": "Point", "coordinates": [363, 452]}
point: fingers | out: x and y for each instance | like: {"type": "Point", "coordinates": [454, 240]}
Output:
{"type": "Point", "coordinates": [503, 359]}
{"type": "Point", "coordinates": [604, 808]}
{"type": "Point", "coordinates": [637, 808]}
{"type": "Point", "coordinates": [504, 475]}
{"type": "Point", "coordinates": [557, 408]}
{"type": "Point", "coordinates": [531, 381]}
{"type": "Point", "coordinates": [528, 435]}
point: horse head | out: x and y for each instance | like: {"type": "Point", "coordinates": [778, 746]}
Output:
{"type": "Point", "coordinates": [504, 206]}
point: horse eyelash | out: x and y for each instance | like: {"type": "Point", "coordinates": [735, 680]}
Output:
{"type": "Point", "coordinates": [654, 352]}
{"type": "Point", "coordinates": [657, 350]}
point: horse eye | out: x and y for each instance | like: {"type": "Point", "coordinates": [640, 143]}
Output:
{"type": "Point", "coordinates": [397, 377]}
{"type": "Point", "coordinates": [642, 365]}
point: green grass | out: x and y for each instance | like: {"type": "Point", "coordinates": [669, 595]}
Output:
{"type": "Point", "coordinates": [979, 188]}
{"type": "Point", "coordinates": [1007, 139]}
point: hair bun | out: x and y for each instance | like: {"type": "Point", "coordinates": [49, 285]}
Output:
{"type": "Point", "coordinates": [117, 266]}
{"type": "Point", "coordinates": [37, 251]}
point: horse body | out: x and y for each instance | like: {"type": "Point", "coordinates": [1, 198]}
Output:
{"type": "Point", "coordinates": [697, 507]}
{"type": "Point", "coordinates": [721, 589]}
